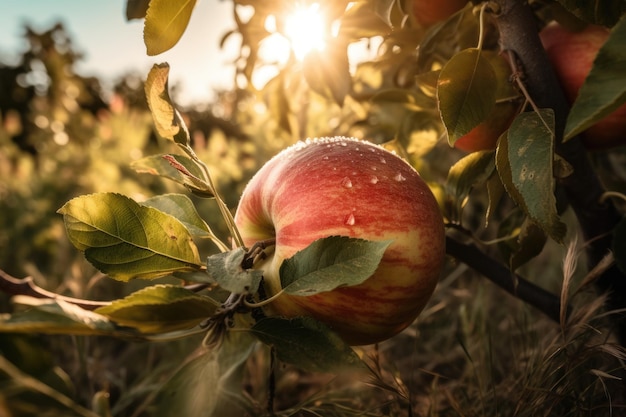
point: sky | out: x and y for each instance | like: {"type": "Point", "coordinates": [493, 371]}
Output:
{"type": "Point", "coordinates": [113, 46]}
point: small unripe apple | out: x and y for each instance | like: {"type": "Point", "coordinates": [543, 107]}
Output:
{"type": "Point", "coordinates": [485, 136]}
{"type": "Point", "coordinates": [346, 187]}
{"type": "Point", "coordinates": [572, 55]}
{"type": "Point", "coordinates": [429, 12]}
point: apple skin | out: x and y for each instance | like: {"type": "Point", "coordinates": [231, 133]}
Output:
{"type": "Point", "coordinates": [572, 55]}
{"type": "Point", "coordinates": [485, 136]}
{"type": "Point", "coordinates": [346, 187]}
{"type": "Point", "coordinates": [429, 12]}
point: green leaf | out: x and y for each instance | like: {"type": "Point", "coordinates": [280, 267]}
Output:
{"type": "Point", "coordinates": [166, 21]}
{"type": "Point", "coordinates": [306, 343]}
{"type": "Point", "coordinates": [525, 164]}
{"type": "Point", "coordinates": [181, 207]}
{"type": "Point", "coordinates": [329, 263]}
{"type": "Point", "coordinates": [210, 383]}
{"type": "Point", "coordinates": [225, 268]}
{"type": "Point", "coordinates": [619, 244]}
{"type": "Point", "coordinates": [475, 168]}
{"type": "Point", "coordinates": [530, 243]}
{"type": "Point", "coordinates": [160, 309]}
{"type": "Point", "coordinates": [126, 240]}
{"type": "Point", "coordinates": [466, 92]}
{"type": "Point", "coordinates": [167, 120]}
{"type": "Point", "coordinates": [600, 12]}
{"type": "Point", "coordinates": [604, 89]}
{"type": "Point", "coordinates": [187, 173]}
{"type": "Point", "coordinates": [54, 317]}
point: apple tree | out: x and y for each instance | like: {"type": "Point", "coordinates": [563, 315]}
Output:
{"type": "Point", "coordinates": [469, 94]}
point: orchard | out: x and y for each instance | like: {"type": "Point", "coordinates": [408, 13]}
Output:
{"type": "Point", "coordinates": [418, 209]}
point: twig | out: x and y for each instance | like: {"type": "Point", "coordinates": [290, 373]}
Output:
{"type": "Point", "coordinates": [26, 286]}
{"type": "Point", "coordinates": [543, 300]}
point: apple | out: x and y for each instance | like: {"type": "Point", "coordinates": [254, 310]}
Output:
{"type": "Point", "coordinates": [508, 105]}
{"type": "Point", "coordinates": [429, 12]}
{"type": "Point", "coordinates": [572, 55]}
{"type": "Point", "coordinates": [347, 187]}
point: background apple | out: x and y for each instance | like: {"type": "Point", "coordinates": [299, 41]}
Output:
{"type": "Point", "coordinates": [347, 187]}
{"type": "Point", "coordinates": [572, 55]}
{"type": "Point", "coordinates": [429, 12]}
{"type": "Point", "coordinates": [485, 135]}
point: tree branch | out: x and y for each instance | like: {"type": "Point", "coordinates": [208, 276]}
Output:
{"type": "Point", "coordinates": [519, 33]}
{"type": "Point", "coordinates": [543, 300]}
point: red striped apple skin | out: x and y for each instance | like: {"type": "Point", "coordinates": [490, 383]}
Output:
{"type": "Point", "coordinates": [346, 187]}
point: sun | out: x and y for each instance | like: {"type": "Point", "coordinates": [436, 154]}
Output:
{"type": "Point", "coordinates": [306, 30]}
{"type": "Point", "coordinates": [300, 30]}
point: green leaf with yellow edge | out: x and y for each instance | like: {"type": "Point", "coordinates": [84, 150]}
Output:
{"type": "Point", "coordinates": [307, 343]}
{"type": "Point", "coordinates": [329, 263]}
{"type": "Point", "coordinates": [474, 168]}
{"type": "Point", "coordinates": [166, 21]}
{"type": "Point", "coordinates": [167, 120]}
{"type": "Point", "coordinates": [49, 316]}
{"type": "Point", "coordinates": [524, 160]}
{"type": "Point", "coordinates": [604, 89]}
{"type": "Point", "coordinates": [127, 240]}
{"type": "Point", "coordinates": [160, 309]}
{"type": "Point", "coordinates": [181, 207]}
{"type": "Point", "coordinates": [466, 92]}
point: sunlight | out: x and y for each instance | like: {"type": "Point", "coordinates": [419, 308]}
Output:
{"type": "Point", "coordinates": [306, 30]}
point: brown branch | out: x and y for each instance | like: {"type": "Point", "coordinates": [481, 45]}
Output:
{"type": "Point", "coordinates": [26, 286]}
{"type": "Point", "coordinates": [519, 33]}
{"type": "Point", "coordinates": [496, 272]}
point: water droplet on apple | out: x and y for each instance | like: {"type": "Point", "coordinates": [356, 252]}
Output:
{"type": "Point", "coordinates": [343, 143]}
{"type": "Point", "coordinates": [399, 177]}
{"type": "Point", "coordinates": [374, 179]}
{"type": "Point", "coordinates": [346, 182]}
{"type": "Point", "coordinates": [350, 220]}
{"type": "Point", "coordinates": [374, 168]}
{"type": "Point", "coordinates": [325, 158]}
{"type": "Point", "coordinates": [383, 161]}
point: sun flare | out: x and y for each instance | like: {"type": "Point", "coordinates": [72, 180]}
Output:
{"type": "Point", "coordinates": [306, 29]}
{"type": "Point", "coordinates": [303, 29]}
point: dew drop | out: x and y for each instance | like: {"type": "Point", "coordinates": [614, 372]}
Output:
{"type": "Point", "coordinates": [346, 182]}
{"type": "Point", "coordinates": [383, 161]}
{"type": "Point", "coordinates": [343, 144]}
{"type": "Point", "coordinates": [349, 220]}
{"type": "Point", "coordinates": [325, 158]}
{"type": "Point", "coordinates": [399, 177]}
{"type": "Point", "coordinates": [374, 179]}
{"type": "Point", "coordinates": [374, 168]}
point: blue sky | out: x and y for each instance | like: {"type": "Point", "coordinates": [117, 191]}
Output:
{"type": "Point", "coordinates": [112, 46]}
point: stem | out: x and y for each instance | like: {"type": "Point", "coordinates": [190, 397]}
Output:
{"type": "Point", "coordinates": [226, 214]}
{"type": "Point", "coordinates": [544, 301]}
{"type": "Point", "coordinates": [26, 286]}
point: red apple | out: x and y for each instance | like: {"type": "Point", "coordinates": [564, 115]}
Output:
{"type": "Point", "coordinates": [429, 12]}
{"type": "Point", "coordinates": [485, 135]}
{"type": "Point", "coordinates": [572, 55]}
{"type": "Point", "coordinates": [347, 187]}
